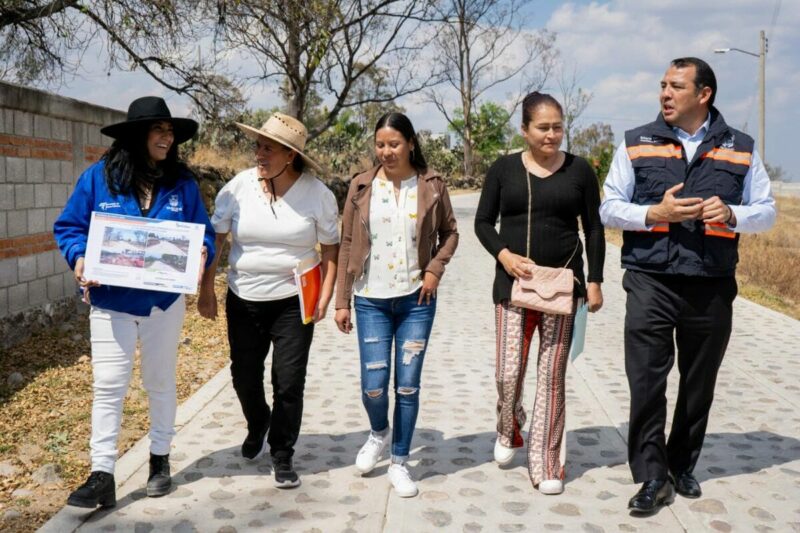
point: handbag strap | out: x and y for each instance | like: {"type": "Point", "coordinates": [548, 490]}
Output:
{"type": "Point", "coordinates": [529, 178]}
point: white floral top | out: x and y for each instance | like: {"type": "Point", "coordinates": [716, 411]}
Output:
{"type": "Point", "coordinates": [392, 268]}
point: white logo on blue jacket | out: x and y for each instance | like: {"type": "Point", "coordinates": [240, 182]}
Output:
{"type": "Point", "coordinates": [174, 204]}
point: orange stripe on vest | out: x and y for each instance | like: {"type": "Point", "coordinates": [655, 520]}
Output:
{"type": "Point", "coordinates": [717, 229]}
{"type": "Point", "coordinates": [649, 150]}
{"type": "Point", "coordinates": [731, 156]}
{"type": "Point", "coordinates": [659, 227]}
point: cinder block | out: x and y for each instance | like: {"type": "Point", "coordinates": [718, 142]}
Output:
{"type": "Point", "coordinates": [2, 168]}
{"type": "Point", "coordinates": [26, 266]}
{"type": "Point", "coordinates": [95, 137]}
{"type": "Point", "coordinates": [8, 272]}
{"type": "Point", "coordinates": [51, 214]}
{"type": "Point", "coordinates": [42, 126]}
{"type": "Point", "coordinates": [67, 174]}
{"type": "Point", "coordinates": [59, 263]}
{"type": "Point", "coordinates": [23, 123]}
{"type": "Point", "coordinates": [60, 194]}
{"type": "Point", "coordinates": [3, 302]}
{"type": "Point", "coordinates": [52, 171]}
{"type": "Point", "coordinates": [3, 227]}
{"type": "Point", "coordinates": [35, 170]}
{"type": "Point", "coordinates": [37, 221]}
{"type": "Point", "coordinates": [55, 287]}
{"type": "Point", "coordinates": [70, 286]}
{"type": "Point", "coordinates": [15, 170]}
{"type": "Point", "coordinates": [18, 298]}
{"type": "Point", "coordinates": [23, 195]}
{"type": "Point", "coordinates": [42, 195]}
{"type": "Point", "coordinates": [7, 197]}
{"type": "Point", "coordinates": [37, 292]}
{"type": "Point", "coordinates": [17, 223]}
{"type": "Point", "coordinates": [44, 264]}
{"type": "Point", "coordinates": [60, 129]}
{"type": "Point", "coordinates": [3, 122]}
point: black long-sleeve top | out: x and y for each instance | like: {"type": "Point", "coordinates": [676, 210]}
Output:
{"type": "Point", "coordinates": [558, 200]}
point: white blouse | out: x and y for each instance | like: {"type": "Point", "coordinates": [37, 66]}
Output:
{"type": "Point", "coordinates": [267, 245]}
{"type": "Point", "coordinates": [392, 268]}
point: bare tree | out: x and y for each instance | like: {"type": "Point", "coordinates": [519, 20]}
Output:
{"type": "Point", "coordinates": [44, 41]}
{"type": "Point", "coordinates": [329, 48]}
{"type": "Point", "coordinates": [574, 99]}
{"type": "Point", "coordinates": [481, 45]}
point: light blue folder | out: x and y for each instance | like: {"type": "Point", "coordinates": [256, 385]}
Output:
{"type": "Point", "coordinates": [579, 331]}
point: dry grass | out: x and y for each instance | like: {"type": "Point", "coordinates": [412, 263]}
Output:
{"type": "Point", "coordinates": [767, 270]}
{"type": "Point", "coordinates": [768, 262]}
{"type": "Point", "coordinates": [47, 419]}
{"type": "Point", "coordinates": [236, 161]}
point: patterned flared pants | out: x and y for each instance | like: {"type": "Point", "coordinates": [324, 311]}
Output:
{"type": "Point", "coordinates": [515, 326]}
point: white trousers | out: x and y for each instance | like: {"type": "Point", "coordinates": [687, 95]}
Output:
{"type": "Point", "coordinates": [114, 337]}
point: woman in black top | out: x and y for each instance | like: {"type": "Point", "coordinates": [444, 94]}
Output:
{"type": "Point", "coordinates": [563, 188]}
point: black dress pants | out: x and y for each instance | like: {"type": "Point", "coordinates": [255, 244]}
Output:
{"type": "Point", "coordinates": [696, 312]}
{"type": "Point", "coordinates": [252, 328]}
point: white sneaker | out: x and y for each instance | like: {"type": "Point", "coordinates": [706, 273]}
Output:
{"type": "Point", "coordinates": [401, 480]}
{"type": "Point", "coordinates": [551, 486]}
{"type": "Point", "coordinates": [370, 453]}
{"type": "Point", "coordinates": [502, 454]}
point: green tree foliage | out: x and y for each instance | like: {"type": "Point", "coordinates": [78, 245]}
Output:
{"type": "Point", "coordinates": [439, 155]}
{"type": "Point", "coordinates": [492, 133]}
{"type": "Point", "coordinates": [595, 143]}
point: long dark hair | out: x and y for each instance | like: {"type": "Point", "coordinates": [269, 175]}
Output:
{"type": "Point", "coordinates": [400, 122]}
{"type": "Point", "coordinates": [126, 163]}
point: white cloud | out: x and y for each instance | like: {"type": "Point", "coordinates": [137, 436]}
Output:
{"type": "Point", "coordinates": [622, 48]}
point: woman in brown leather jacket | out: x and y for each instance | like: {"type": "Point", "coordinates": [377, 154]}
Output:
{"type": "Point", "coordinates": [398, 233]}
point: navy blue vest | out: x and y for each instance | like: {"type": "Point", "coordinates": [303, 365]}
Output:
{"type": "Point", "coordinates": [720, 164]}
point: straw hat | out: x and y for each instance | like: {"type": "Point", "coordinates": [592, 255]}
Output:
{"type": "Point", "coordinates": [285, 130]}
{"type": "Point", "coordinates": [151, 109]}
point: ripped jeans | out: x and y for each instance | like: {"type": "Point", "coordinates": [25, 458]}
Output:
{"type": "Point", "coordinates": [378, 322]}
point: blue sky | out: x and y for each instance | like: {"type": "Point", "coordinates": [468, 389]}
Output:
{"type": "Point", "coordinates": [620, 49]}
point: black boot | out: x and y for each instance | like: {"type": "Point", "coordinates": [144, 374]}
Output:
{"type": "Point", "coordinates": [99, 489]}
{"type": "Point", "coordinates": [159, 481]}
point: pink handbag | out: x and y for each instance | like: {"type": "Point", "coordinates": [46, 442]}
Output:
{"type": "Point", "coordinates": [549, 289]}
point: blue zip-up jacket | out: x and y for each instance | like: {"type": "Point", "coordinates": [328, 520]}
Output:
{"type": "Point", "coordinates": [179, 200]}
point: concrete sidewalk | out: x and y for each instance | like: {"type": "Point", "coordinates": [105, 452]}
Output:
{"type": "Point", "coordinates": [749, 470]}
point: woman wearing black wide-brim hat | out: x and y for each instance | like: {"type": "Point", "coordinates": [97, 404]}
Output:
{"type": "Point", "coordinates": [140, 175]}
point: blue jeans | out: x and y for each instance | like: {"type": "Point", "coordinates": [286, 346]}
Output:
{"type": "Point", "coordinates": [378, 322]}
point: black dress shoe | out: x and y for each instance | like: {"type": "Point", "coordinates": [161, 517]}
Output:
{"type": "Point", "coordinates": [99, 489]}
{"type": "Point", "coordinates": [652, 495]}
{"type": "Point", "coordinates": [687, 485]}
{"type": "Point", "coordinates": [159, 480]}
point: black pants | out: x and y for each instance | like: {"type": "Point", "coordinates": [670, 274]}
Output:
{"type": "Point", "coordinates": [697, 311]}
{"type": "Point", "coordinates": [252, 327]}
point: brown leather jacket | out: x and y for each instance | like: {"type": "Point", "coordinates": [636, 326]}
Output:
{"type": "Point", "coordinates": [435, 218]}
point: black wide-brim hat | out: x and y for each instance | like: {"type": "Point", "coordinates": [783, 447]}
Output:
{"type": "Point", "coordinates": [151, 109]}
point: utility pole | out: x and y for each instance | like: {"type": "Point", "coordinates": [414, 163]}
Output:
{"type": "Point", "coordinates": [762, 91]}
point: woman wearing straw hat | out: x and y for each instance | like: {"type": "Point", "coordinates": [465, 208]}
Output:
{"type": "Point", "coordinates": [140, 175]}
{"type": "Point", "coordinates": [277, 213]}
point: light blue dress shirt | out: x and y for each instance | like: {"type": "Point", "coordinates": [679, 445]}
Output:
{"type": "Point", "coordinates": [756, 212]}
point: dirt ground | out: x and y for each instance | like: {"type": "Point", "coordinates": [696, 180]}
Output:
{"type": "Point", "coordinates": [45, 419]}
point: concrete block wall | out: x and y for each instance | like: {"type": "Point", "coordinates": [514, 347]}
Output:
{"type": "Point", "coordinates": [46, 141]}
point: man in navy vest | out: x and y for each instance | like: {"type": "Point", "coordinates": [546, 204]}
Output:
{"type": "Point", "coordinates": [682, 188]}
